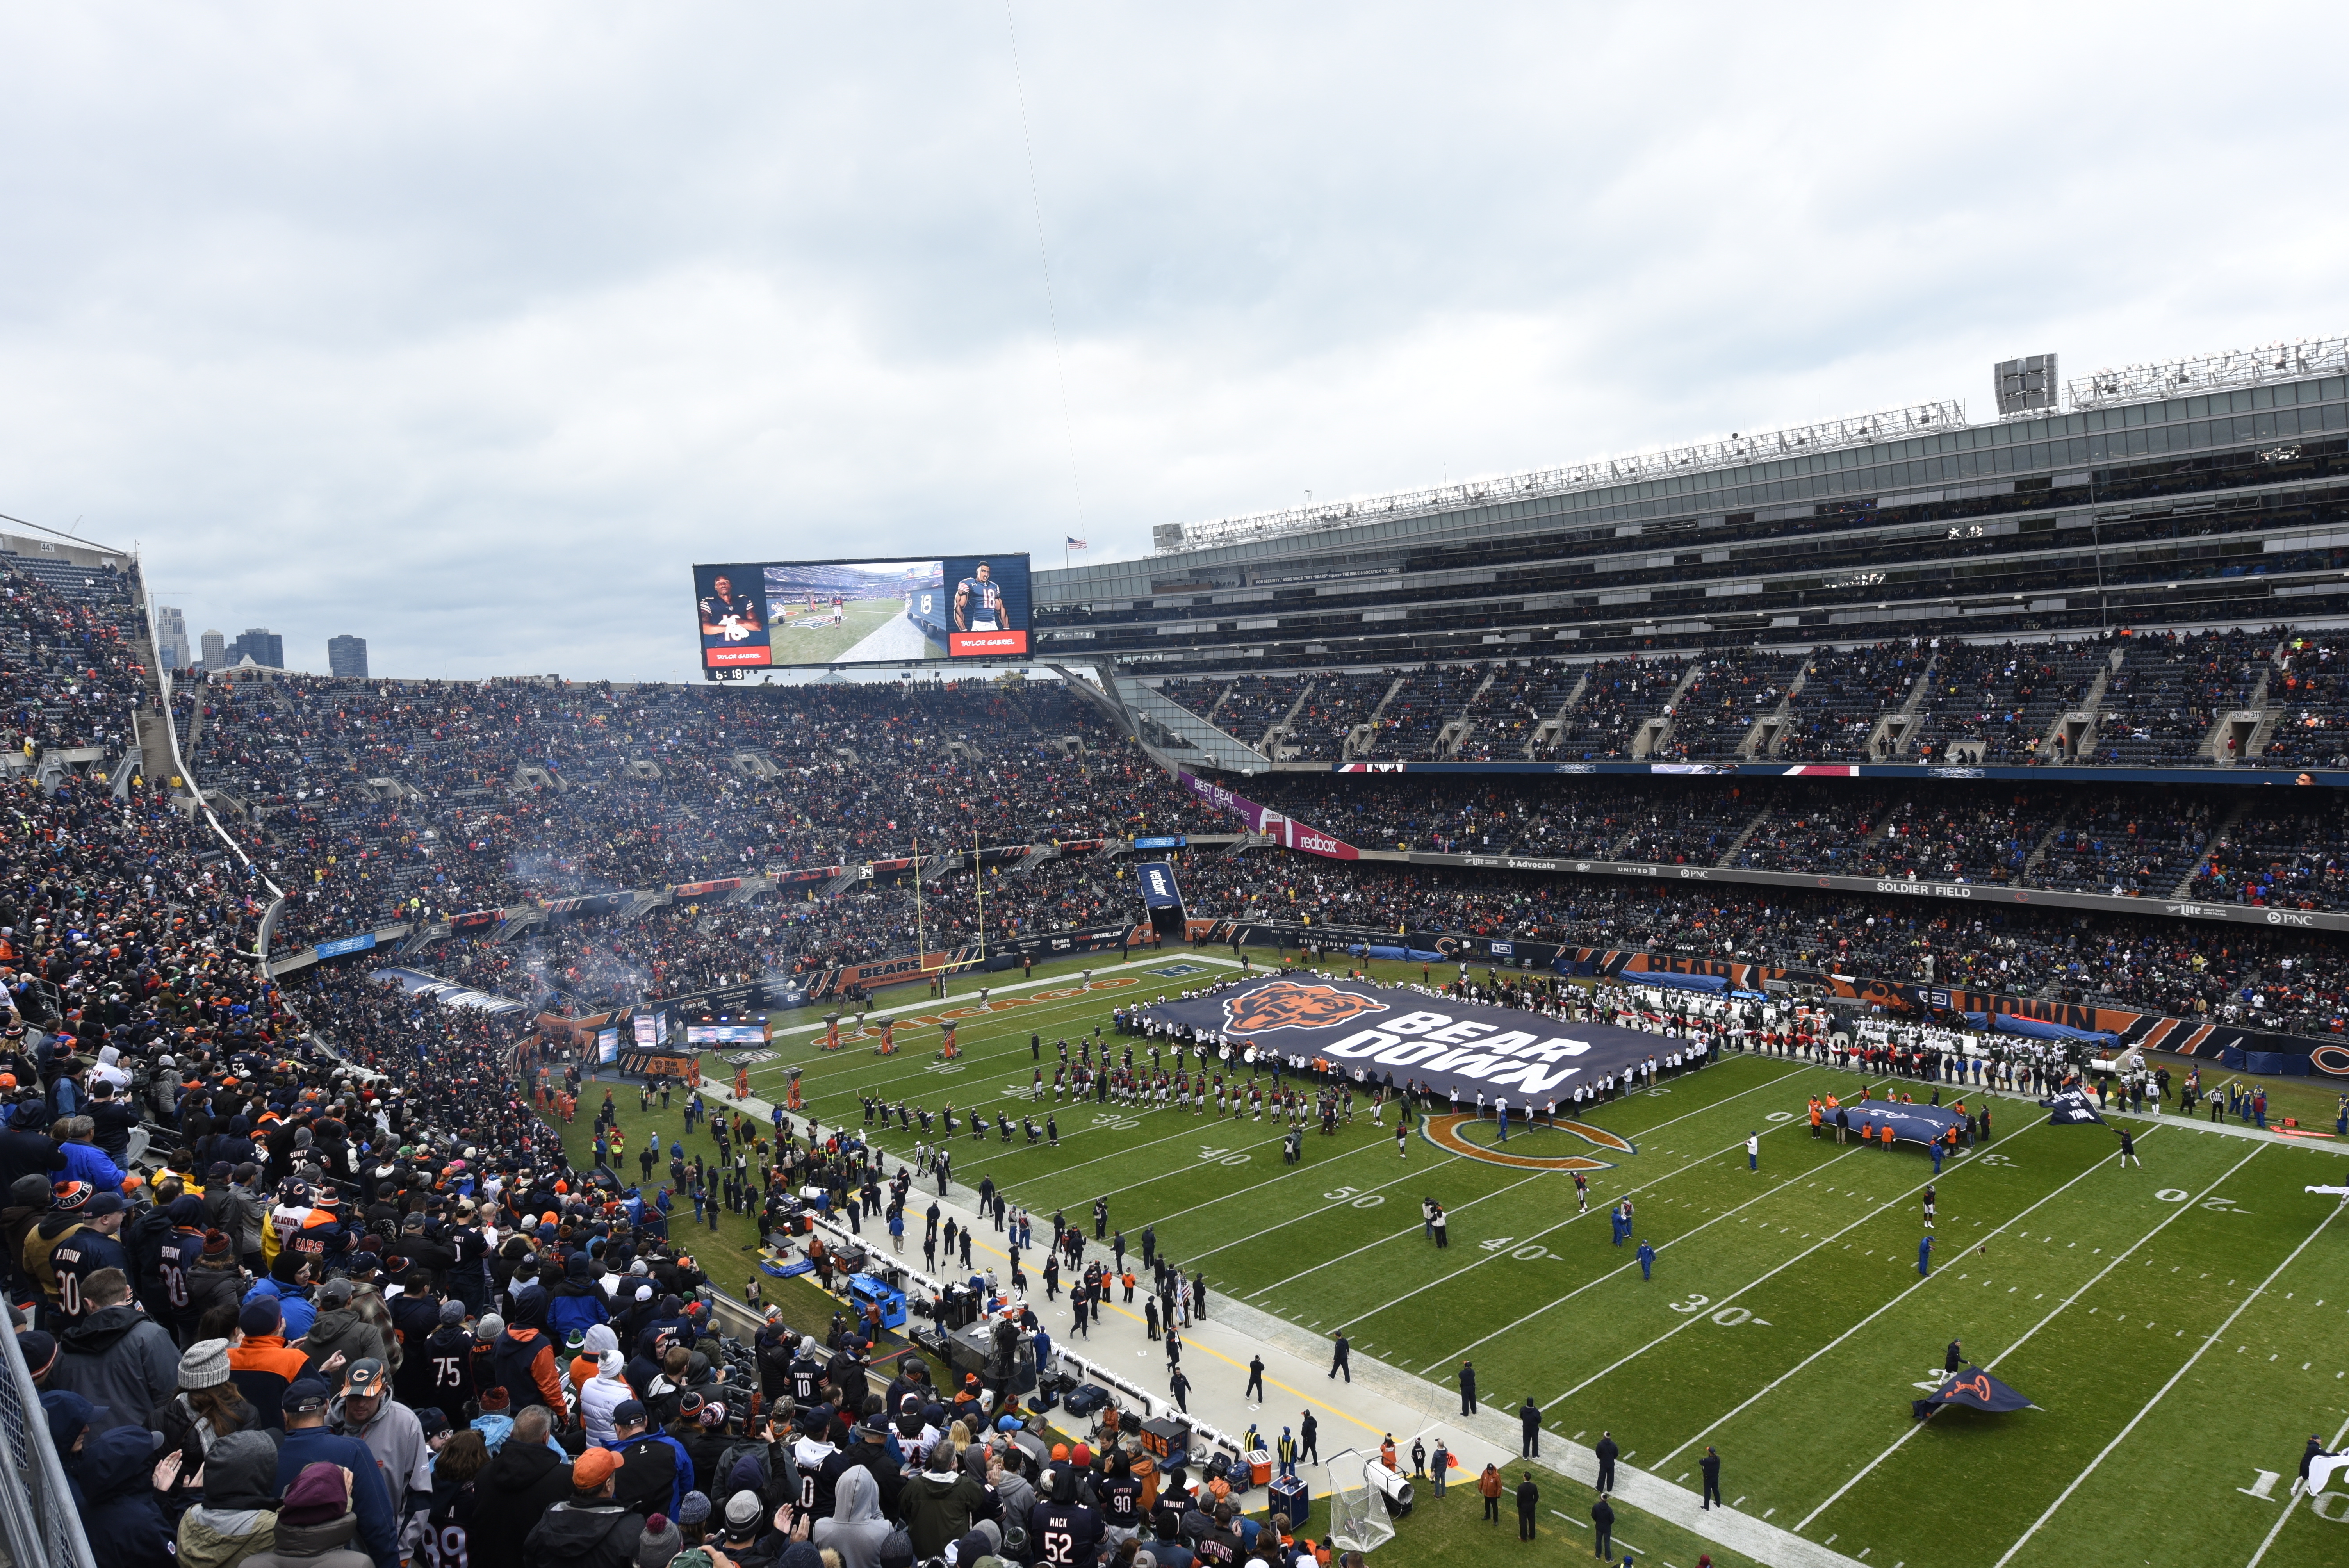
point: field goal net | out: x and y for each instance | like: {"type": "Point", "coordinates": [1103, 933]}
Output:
{"type": "Point", "coordinates": [1358, 1513]}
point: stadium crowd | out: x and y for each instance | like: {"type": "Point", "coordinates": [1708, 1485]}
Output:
{"type": "Point", "coordinates": [311, 1280]}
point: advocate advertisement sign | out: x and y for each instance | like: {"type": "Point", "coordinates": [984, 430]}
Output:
{"type": "Point", "coordinates": [1373, 1032]}
{"type": "Point", "coordinates": [1263, 819]}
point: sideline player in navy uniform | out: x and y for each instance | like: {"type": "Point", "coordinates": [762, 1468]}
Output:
{"type": "Point", "coordinates": [978, 602]}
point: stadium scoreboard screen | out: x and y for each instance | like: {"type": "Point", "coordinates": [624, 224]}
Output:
{"type": "Point", "coordinates": [786, 615]}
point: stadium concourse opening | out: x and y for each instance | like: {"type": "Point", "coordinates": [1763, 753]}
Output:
{"type": "Point", "coordinates": [1924, 770]}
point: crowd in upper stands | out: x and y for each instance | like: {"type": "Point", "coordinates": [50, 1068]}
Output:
{"type": "Point", "coordinates": [2158, 697]}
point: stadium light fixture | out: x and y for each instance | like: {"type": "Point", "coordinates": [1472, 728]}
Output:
{"type": "Point", "coordinates": [1737, 450]}
{"type": "Point", "coordinates": [2212, 372]}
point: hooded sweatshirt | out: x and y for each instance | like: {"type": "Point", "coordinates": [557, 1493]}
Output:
{"type": "Point", "coordinates": [855, 1529]}
{"type": "Point", "coordinates": [238, 1515]}
{"type": "Point", "coordinates": [121, 1514]}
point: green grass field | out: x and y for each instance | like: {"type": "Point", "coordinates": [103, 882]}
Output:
{"type": "Point", "coordinates": [2183, 1328]}
{"type": "Point", "coordinates": [859, 619]}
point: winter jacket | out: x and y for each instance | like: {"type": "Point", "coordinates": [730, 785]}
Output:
{"type": "Point", "coordinates": [344, 1329]}
{"type": "Point", "coordinates": [120, 1358]}
{"type": "Point", "coordinates": [938, 1505]}
{"type": "Point", "coordinates": [575, 1305]}
{"type": "Point", "coordinates": [855, 1529]}
{"type": "Point", "coordinates": [602, 1396]}
{"type": "Point", "coordinates": [238, 1515]}
{"type": "Point", "coordinates": [327, 1545]}
{"type": "Point", "coordinates": [518, 1485]}
{"type": "Point", "coordinates": [523, 1363]}
{"type": "Point", "coordinates": [656, 1473]}
{"type": "Point", "coordinates": [208, 1287]}
{"type": "Point", "coordinates": [261, 1367]}
{"type": "Point", "coordinates": [240, 1218]}
{"type": "Point", "coordinates": [294, 1304]}
{"type": "Point", "coordinates": [590, 1535]}
{"type": "Point", "coordinates": [121, 1513]}
{"type": "Point", "coordinates": [378, 1529]}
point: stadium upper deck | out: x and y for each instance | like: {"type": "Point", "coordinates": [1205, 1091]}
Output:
{"type": "Point", "coordinates": [2223, 503]}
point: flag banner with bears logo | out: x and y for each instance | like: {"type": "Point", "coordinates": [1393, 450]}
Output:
{"type": "Point", "coordinates": [1979, 1389]}
{"type": "Point", "coordinates": [1373, 1033]}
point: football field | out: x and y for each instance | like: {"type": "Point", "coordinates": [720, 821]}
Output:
{"type": "Point", "coordinates": [2182, 1327]}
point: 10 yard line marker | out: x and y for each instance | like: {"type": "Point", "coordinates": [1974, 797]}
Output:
{"type": "Point", "coordinates": [2215, 1336]}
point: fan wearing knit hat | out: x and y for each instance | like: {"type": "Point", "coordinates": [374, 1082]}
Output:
{"type": "Point", "coordinates": [207, 1407]}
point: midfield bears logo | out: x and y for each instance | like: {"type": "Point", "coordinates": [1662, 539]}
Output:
{"type": "Point", "coordinates": [1477, 1138]}
{"type": "Point", "coordinates": [1291, 1004]}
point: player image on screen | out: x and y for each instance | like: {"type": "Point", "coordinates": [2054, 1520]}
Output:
{"type": "Point", "coordinates": [730, 613]}
{"type": "Point", "coordinates": [978, 602]}
{"type": "Point", "coordinates": [728, 616]}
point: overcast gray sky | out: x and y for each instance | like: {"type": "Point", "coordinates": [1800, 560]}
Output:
{"type": "Point", "coordinates": [468, 329]}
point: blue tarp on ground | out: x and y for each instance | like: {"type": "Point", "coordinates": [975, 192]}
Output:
{"type": "Point", "coordinates": [1909, 1123]}
{"type": "Point", "coordinates": [1396, 954]}
{"type": "Point", "coordinates": [1713, 984]}
{"type": "Point", "coordinates": [2032, 1028]}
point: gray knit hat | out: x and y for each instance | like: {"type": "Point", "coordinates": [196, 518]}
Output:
{"type": "Point", "coordinates": [661, 1541]}
{"type": "Point", "coordinates": [204, 1364]}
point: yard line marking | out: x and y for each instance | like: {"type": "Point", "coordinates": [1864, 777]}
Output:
{"type": "Point", "coordinates": [1535, 1177]}
{"type": "Point", "coordinates": [1695, 1318]}
{"type": "Point", "coordinates": [1610, 1273]}
{"type": "Point", "coordinates": [2093, 1167]}
{"type": "Point", "coordinates": [2294, 1503]}
{"type": "Point", "coordinates": [2034, 1328]}
{"type": "Point", "coordinates": [2215, 1336]}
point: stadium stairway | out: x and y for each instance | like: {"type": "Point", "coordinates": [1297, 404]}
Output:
{"type": "Point", "coordinates": [1378, 1399]}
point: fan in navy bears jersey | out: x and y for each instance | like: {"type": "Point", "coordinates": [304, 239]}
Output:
{"type": "Point", "coordinates": [446, 1526]}
{"type": "Point", "coordinates": [1062, 1531]}
{"type": "Point", "coordinates": [75, 1240]}
{"type": "Point", "coordinates": [176, 1257]}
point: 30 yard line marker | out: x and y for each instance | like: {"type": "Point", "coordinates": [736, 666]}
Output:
{"type": "Point", "coordinates": [1872, 1316]}
{"type": "Point", "coordinates": [2117, 1258]}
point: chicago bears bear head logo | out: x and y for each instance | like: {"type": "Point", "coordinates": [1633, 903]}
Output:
{"type": "Point", "coordinates": [1292, 1004]}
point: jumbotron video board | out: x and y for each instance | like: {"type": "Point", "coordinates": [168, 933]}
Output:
{"type": "Point", "coordinates": [785, 614]}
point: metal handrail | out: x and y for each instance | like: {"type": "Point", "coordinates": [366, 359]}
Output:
{"type": "Point", "coordinates": [37, 1513]}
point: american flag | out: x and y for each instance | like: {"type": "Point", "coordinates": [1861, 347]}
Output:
{"type": "Point", "coordinates": [1073, 543]}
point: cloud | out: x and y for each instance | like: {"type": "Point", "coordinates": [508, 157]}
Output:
{"type": "Point", "coordinates": [469, 330]}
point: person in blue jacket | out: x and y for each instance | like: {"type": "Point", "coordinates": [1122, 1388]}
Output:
{"type": "Point", "coordinates": [307, 1442]}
